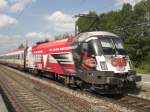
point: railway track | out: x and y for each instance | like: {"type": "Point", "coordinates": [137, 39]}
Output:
{"type": "Point", "coordinates": [27, 98]}
{"type": "Point", "coordinates": [131, 102]}
{"type": "Point", "coordinates": [135, 104]}
{"type": "Point", "coordinates": [138, 104]}
{"type": "Point", "coordinates": [36, 101]}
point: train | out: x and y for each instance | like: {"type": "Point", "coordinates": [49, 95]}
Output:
{"type": "Point", "coordinates": [95, 61]}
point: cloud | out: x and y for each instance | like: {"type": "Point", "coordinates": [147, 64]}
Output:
{"type": "Point", "coordinates": [41, 35]}
{"type": "Point", "coordinates": [3, 5]}
{"type": "Point", "coordinates": [19, 5]}
{"type": "Point", "coordinates": [31, 38]}
{"type": "Point", "coordinates": [7, 45]}
{"type": "Point", "coordinates": [6, 20]}
{"type": "Point", "coordinates": [61, 22]}
{"type": "Point", "coordinates": [6, 39]}
{"type": "Point", "coordinates": [132, 2]}
{"type": "Point", "coordinates": [8, 6]}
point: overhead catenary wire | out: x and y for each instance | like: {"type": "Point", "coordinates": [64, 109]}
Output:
{"type": "Point", "coordinates": [21, 13]}
{"type": "Point", "coordinates": [26, 6]}
{"type": "Point", "coordinates": [96, 18]}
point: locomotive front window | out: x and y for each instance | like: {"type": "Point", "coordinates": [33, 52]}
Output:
{"type": "Point", "coordinates": [111, 45]}
{"type": "Point", "coordinates": [119, 46]}
{"type": "Point", "coordinates": [107, 46]}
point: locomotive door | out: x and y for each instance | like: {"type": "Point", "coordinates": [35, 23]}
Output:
{"type": "Point", "coordinates": [30, 59]}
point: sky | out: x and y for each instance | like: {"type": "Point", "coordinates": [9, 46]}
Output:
{"type": "Point", "coordinates": [30, 21]}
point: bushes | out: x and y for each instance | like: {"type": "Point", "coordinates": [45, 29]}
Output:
{"type": "Point", "coordinates": [143, 68]}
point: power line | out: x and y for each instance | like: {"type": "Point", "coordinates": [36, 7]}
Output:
{"type": "Point", "coordinates": [96, 18]}
{"type": "Point", "coordinates": [25, 7]}
{"type": "Point", "coordinates": [86, 15]}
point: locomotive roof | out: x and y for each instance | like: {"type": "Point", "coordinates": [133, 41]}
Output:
{"type": "Point", "coordinates": [51, 44]}
{"type": "Point", "coordinates": [100, 34]}
{"type": "Point", "coordinates": [77, 38]}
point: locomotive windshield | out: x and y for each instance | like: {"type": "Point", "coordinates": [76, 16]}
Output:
{"type": "Point", "coordinates": [85, 53]}
{"type": "Point", "coordinates": [112, 46]}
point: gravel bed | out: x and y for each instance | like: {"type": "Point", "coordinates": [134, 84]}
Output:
{"type": "Point", "coordinates": [145, 91]}
{"type": "Point", "coordinates": [78, 100]}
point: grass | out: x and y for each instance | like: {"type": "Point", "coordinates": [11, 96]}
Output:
{"type": "Point", "coordinates": [143, 69]}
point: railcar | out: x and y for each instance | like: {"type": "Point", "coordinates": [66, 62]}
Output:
{"type": "Point", "coordinates": [92, 60]}
{"type": "Point", "coordinates": [14, 58]}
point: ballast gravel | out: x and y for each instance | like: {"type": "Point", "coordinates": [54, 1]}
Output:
{"type": "Point", "coordinates": [79, 100]}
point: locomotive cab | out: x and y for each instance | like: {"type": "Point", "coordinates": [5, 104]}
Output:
{"type": "Point", "coordinates": [103, 63]}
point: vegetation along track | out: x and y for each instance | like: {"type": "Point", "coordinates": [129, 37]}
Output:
{"type": "Point", "coordinates": [26, 98]}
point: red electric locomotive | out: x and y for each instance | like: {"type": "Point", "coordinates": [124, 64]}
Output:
{"type": "Point", "coordinates": [91, 60]}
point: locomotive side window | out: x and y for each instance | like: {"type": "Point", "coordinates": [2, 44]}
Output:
{"type": "Point", "coordinates": [84, 47]}
{"type": "Point", "coordinates": [91, 50]}
{"type": "Point", "coordinates": [88, 48]}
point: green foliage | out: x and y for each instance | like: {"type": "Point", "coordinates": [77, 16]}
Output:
{"type": "Point", "coordinates": [21, 46]}
{"type": "Point", "coordinates": [84, 23]}
{"type": "Point", "coordinates": [126, 23]}
{"type": "Point", "coordinates": [143, 68]}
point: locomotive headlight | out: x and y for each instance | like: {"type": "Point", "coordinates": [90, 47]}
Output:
{"type": "Point", "coordinates": [103, 65]}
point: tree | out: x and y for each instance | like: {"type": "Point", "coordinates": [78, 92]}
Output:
{"type": "Point", "coordinates": [21, 46]}
{"type": "Point", "coordinates": [88, 22]}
